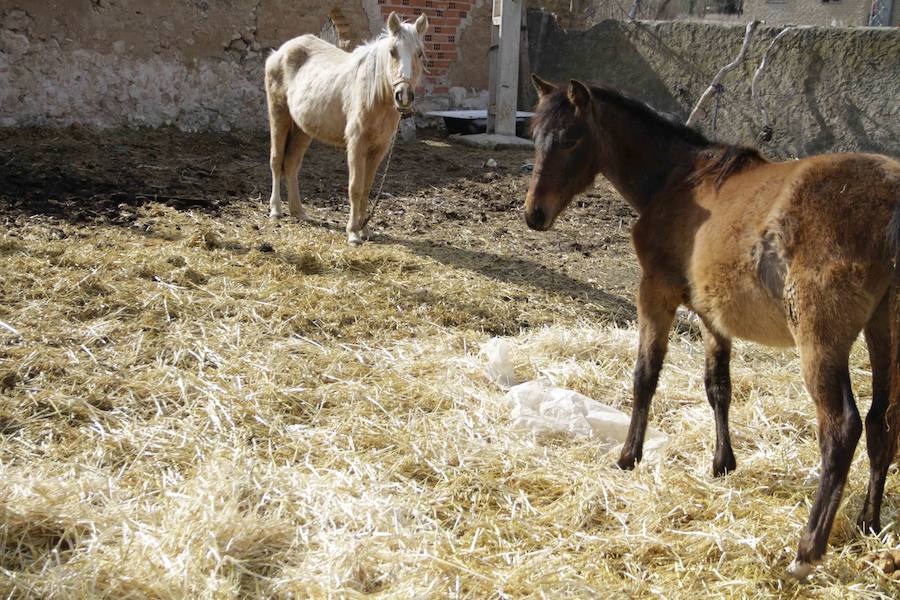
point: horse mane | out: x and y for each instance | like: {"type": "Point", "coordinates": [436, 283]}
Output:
{"type": "Point", "coordinates": [717, 160]}
{"type": "Point", "coordinates": [649, 115]}
{"type": "Point", "coordinates": [721, 161]}
{"type": "Point", "coordinates": [373, 59]}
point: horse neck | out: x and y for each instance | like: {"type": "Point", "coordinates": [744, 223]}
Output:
{"type": "Point", "coordinates": [640, 158]}
{"type": "Point", "coordinates": [377, 90]}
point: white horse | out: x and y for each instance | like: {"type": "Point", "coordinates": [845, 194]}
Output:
{"type": "Point", "coordinates": [316, 90]}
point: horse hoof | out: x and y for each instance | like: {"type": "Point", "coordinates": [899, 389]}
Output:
{"type": "Point", "coordinates": [275, 215]}
{"type": "Point", "coordinates": [868, 525]}
{"type": "Point", "coordinates": [354, 239]}
{"type": "Point", "coordinates": [725, 465]}
{"type": "Point", "coordinates": [799, 570]}
{"type": "Point", "coordinates": [626, 463]}
{"type": "Point", "coordinates": [300, 216]}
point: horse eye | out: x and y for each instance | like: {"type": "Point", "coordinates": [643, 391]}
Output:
{"type": "Point", "coordinates": [394, 51]}
{"type": "Point", "coordinates": [567, 141]}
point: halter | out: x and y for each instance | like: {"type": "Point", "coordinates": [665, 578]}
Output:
{"type": "Point", "coordinates": [397, 82]}
{"type": "Point", "coordinates": [402, 80]}
{"type": "Point", "coordinates": [403, 111]}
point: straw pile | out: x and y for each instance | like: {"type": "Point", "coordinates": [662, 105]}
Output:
{"type": "Point", "coordinates": [226, 408]}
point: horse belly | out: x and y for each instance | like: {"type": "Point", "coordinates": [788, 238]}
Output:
{"type": "Point", "coordinates": [755, 319]}
{"type": "Point", "coordinates": [316, 106]}
{"type": "Point", "coordinates": [738, 306]}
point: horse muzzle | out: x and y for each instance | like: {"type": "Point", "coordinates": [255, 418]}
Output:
{"type": "Point", "coordinates": [537, 219]}
{"type": "Point", "coordinates": [539, 211]}
{"type": "Point", "coordinates": [404, 96]}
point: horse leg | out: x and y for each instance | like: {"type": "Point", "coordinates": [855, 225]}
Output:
{"type": "Point", "coordinates": [656, 312]}
{"type": "Point", "coordinates": [881, 428]}
{"type": "Point", "coordinates": [717, 379]}
{"type": "Point", "coordinates": [824, 357]}
{"type": "Point", "coordinates": [358, 165]}
{"type": "Point", "coordinates": [373, 161]}
{"type": "Point", "coordinates": [280, 123]}
{"type": "Point", "coordinates": [297, 143]}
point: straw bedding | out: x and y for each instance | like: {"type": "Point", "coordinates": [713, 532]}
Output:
{"type": "Point", "coordinates": [200, 406]}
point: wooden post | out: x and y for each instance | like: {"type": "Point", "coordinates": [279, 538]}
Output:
{"type": "Point", "coordinates": [493, 53]}
{"type": "Point", "coordinates": [504, 80]}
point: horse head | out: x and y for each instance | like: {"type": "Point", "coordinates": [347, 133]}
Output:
{"type": "Point", "coordinates": [563, 130]}
{"type": "Point", "coordinates": [407, 58]}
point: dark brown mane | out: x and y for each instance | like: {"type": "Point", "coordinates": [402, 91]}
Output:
{"type": "Point", "coordinates": [660, 123]}
{"type": "Point", "coordinates": [716, 160]}
{"type": "Point", "coordinates": [721, 161]}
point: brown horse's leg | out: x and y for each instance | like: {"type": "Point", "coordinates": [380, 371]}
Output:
{"type": "Point", "coordinates": [297, 143]}
{"type": "Point", "coordinates": [881, 436]}
{"type": "Point", "coordinates": [824, 354]}
{"type": "Point", "coordinates": [717, 378]}
{"type": "Point", "coordinates": [357, 163]}
{"type": "Point", "coordinates": [656, 311]}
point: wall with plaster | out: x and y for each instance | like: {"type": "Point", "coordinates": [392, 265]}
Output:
{"type": "Point", "coordinates": [197, 64]}
{"type": "Point", "coordinates": [826, 89]}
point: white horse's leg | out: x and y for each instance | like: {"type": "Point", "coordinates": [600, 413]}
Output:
{"type": "Point", "coordinates": [280, 123]}
{"type": "Point", "coordinates": [297, 143]}
{"type": "Point", "coordinates": [357, 159]}
{"type": "Point", "coordinates": [373, 161]}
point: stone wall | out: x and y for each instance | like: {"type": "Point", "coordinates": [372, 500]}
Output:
{"type": "Point", "coordinates": [198, 64]}
{"type": "Point", "coordinates": [826, 89]}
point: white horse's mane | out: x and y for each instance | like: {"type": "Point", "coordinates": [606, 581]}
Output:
{"type": "Point", "coordinates": [373, 58]}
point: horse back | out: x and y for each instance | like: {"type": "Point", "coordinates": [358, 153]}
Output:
{"type": "Point", "coordinates": [775, 230]}
{"type": "Point", "coordinates": [294, 53]}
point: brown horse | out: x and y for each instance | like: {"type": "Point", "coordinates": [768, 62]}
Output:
{"type": "Point", "coordinates": [803, 253]}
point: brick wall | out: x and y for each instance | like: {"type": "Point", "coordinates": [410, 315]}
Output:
{"type": "Point", "coordinates": [446, 21]}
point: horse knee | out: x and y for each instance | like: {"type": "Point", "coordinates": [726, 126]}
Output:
{"type": "Point", "coordinates": [843, 433]}
{"type": "Point", "coordinates": [276, 163]}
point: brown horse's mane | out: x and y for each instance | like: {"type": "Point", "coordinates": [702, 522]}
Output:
{"type": "Point", "coordinates": [716, 160]}
{"type": "Point", "coordinates": [721, 161]}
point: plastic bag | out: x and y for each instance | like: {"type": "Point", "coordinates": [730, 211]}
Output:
{"type": "Point", "coordinates": [498, 366]}
{"type": "Point", "coordinates": [542, 408]}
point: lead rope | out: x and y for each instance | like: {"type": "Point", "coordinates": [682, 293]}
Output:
{"type": "Point", "coordinates": [387, 165]}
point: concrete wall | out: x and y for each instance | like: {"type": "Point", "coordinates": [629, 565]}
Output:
{"type": "Point", "coordinates": [836, 13]}
{"type": "Point", "coordinates": [826, 89]}
{"type": "Point", "coordinates": [582, 14]}
{"type": "Point", "coordinates": [198, 64]}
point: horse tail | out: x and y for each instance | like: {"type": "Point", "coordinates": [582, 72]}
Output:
{"type": "Point", "coordinates": [893, 243]}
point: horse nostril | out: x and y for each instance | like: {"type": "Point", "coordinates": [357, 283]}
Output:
{"type": "Point", "coordinates": [397, 96]}
{"type": "Point", "coordinates": [535, 218]}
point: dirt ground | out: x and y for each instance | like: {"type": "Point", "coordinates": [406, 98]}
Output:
{"type": "Point", "coordinates": [198, 402]}
{"type": "Point", "coordinates": [440, 199]}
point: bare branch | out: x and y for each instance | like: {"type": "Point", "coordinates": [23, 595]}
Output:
{"type": "Point", "coordinates": [754, 85]}
{"type": "Point", "coordinates": [635, 8]}
{"type": "Point", "coordinates": [717, 80]}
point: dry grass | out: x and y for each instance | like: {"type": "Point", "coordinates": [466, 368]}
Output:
{"type": "Point", "coordinates": [187, 414]}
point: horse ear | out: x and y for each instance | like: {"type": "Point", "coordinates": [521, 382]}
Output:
{"type": "Point", "coordinates": [421, 24]}
{"type": "Point", "coordinates": [578, 94]}
{"type": "Point", "coordinates": [393, 23]}
{"type": "Point", "coordinates": [543, 87]}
